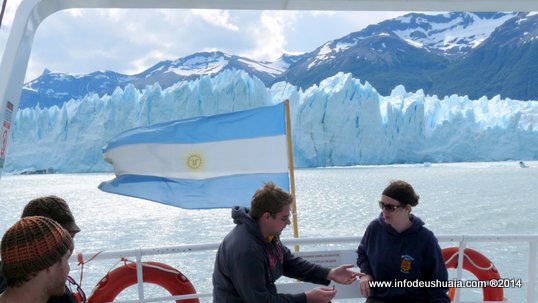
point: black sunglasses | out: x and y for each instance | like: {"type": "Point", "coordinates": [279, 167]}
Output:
{"type": "Point", "coordinates": [389, 207]}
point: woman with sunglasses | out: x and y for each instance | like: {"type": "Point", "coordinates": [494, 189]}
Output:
{"type": "Point", "coordinates": [397, 248]}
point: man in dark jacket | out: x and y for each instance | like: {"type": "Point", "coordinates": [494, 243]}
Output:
{"type": "Point", "coordinates": [55, 208]}
{"type": "Point", "coordinates": [251, 257]}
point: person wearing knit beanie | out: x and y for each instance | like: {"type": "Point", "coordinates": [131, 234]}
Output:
{"type": "Point", "coordinates": [35, 253]}
{"type": "Point", "coordinates": [396, 247]}
{"type": "Point", "coordinates": [55, 208]}
{"type": "Point", "coordinates": [52, 207]}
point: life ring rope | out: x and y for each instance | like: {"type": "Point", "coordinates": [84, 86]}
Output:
{"type": "Point", "coordinates": [80, 296]}
{"type": "Point", "coordinates": [482, 273]}
{"type": "Point", "coordinates": [157, 267]}
{"type": "Point", "coordinates": [120, 278]}
{"type": "Point", "coordinates": [491, 266]}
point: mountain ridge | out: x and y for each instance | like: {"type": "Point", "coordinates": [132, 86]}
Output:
{"type": "Point", "coordinates": [416, 50]}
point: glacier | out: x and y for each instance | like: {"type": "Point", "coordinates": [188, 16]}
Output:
{"type": "Point", "coordinates": [340, 122]}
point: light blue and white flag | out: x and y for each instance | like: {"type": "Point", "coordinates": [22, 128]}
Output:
{"type": "Point", "coordinates": [202, 162]}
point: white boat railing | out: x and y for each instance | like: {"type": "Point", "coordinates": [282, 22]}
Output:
{"type": "Point", "coordinates": [329, 257]}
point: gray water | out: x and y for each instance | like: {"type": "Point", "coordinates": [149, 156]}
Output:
{"type": "Point", "coordinates": [460, 198]}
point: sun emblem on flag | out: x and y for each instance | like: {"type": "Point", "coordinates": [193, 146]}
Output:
{"type": "Point", "coordinates": [194, 161]}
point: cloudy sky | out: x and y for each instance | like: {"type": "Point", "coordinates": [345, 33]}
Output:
{"type": "Point", "coordinates": [130, 41]}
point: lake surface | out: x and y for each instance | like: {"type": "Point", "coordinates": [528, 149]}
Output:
{"type": "Point", "coordinates": [458, 198]}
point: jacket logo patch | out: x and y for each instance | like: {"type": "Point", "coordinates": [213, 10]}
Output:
{"type": "Point", "coordinates": [407, 263]}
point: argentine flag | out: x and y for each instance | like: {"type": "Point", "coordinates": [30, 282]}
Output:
{"type": "Point", "coordinates": [203, 162]}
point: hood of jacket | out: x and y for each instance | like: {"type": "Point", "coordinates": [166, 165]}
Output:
{"type": "Point", "coordinates": [241, 217]}
{"type": "Point", "coordinates": [416, 225]}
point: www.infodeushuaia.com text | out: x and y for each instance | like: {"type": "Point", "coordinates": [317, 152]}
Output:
{"type": "Point", "coordinates": [504, 283]}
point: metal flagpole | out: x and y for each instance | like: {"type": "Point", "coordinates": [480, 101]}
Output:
{"type": "Point", "coordinates": [292, 176]}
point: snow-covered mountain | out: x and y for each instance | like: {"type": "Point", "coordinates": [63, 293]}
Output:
{"type": "Point", "coordinates": [407, 50]}
{"type": "Point", "coordinates": [452, 34]}
{"type": "Point", "coordinates": [166, 73]}
{"type": "Point", "coordinates": [504, 64]}
{"type": "Point", "coordinates": [52, 88]}
{"type": "Point", "coordinates": [412, 50]}
{"type": "Point", "coordinates": [56, 88]}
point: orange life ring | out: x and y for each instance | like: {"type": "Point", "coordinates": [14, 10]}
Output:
{"type": "Point", "coordinates": [114, 282]}
{"type": "Point", "coordinates": [477, 264]}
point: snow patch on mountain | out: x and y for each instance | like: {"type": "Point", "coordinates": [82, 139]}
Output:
{"type": "Point", "coordinates": [464, 30]}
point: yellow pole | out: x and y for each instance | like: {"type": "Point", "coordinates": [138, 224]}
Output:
{"type": "Point", "coordinates": [292, 176]}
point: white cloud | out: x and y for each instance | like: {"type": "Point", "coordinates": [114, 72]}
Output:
{"type": "Point", "coordinates": [147, 60]}
{"type": "Point", "coordinates": [75, 12]}
{"type": "Point", "coordinates": [219, 18]}
{"type": "Point", "coordinates": [270, 34]}
{"type": "Point", "coordinates": [322, 13]}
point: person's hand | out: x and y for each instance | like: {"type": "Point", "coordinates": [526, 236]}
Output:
{"type": "Point", "coordinates": [343, 275]}
{"type": "Point", "coordinates": [320, 295]}
{"type": "Point", "coordinates": [364, 285]}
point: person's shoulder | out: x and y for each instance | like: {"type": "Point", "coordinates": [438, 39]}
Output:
{"type": "Point", "coordinates": [240, 241]}
{"type": "Point", "coordinates": [374, 223]}
{"type": "Point", "coordinates": [65, 298]}
{"type": "Point", "coordinates": [421, 226]}
{"type": "Point", "coordinates": [428, 235]}
{"type": "Point", "coordinates": [238, 234]}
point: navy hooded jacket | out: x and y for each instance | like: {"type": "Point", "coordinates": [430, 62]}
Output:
{"type": "Point", "coordinates": [247, 266]}
{"type": "Point", "coordinates": [412, 255]}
